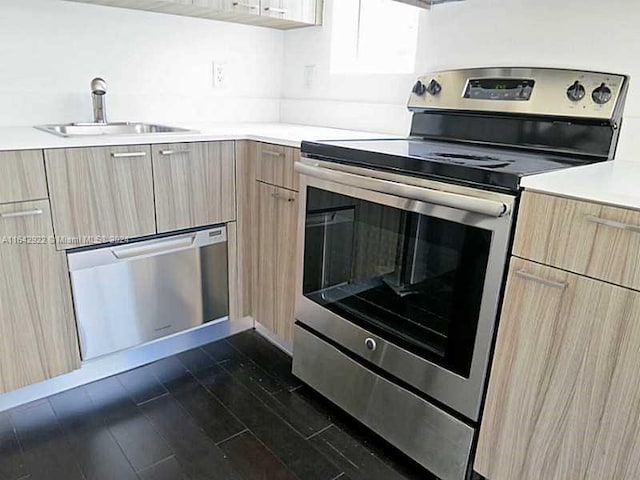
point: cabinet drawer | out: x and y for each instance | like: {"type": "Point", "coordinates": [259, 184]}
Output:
{"type": "Point", "coordinates": [275, 165]}
{"type": "Point", "coordinates": [586, 238]}
{"type": "Point", "coordinates": [194, 184]}
{"type": "Point", "coordinates": [100, 193]}
{"type": "Point", "coordinates": [22, 176]}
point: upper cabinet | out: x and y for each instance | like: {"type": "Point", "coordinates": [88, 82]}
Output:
{"type": "Point", "coordinates": [303, 11]}
{"type": "Point", "coordinates": [426, 3]}
{"type": "Point", "coordinates": [281, 14]}
{"type": "Point", "coordinates": [239, 6]}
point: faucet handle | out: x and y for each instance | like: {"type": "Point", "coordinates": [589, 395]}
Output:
{"type": "Point", "coordinates": [98, 86]}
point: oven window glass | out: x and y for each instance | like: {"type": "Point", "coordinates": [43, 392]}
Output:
{"type": "Point", "coordinates": [415, 280]}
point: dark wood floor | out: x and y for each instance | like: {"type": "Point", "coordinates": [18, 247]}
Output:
{"type": "Point", "coordinates": [229, 411]}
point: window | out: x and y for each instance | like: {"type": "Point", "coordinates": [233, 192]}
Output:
{"type": "Point", "coordinates": [373, 36]}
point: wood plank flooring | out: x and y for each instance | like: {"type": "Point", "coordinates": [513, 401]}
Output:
{"type": "Point", "coordinates": [230, 410]}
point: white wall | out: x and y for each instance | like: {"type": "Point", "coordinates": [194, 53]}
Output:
{"type": "Point", "coordinates": [583, 34]}
{"type": "Point", "coordinates": [157, 67]}
{"type": "Point", "coordinates": [366, 102]}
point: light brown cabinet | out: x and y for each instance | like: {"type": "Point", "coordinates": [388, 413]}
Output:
{"type": "Point", "coordinates": [564, 395]}
{"type": "Point", "coordinates": [268, 234]}
{"type": "Point", "coordinates": [586, 238]}
{"type": "Point", "coordinates": [564, 392]}
{"type": "Point", "coordinates": [276, 259]}
{"type": "Point", "coordinates": [194, 184]}
{"type": "Point", "coordinates": [303, 11]}
{"type": "Point", "coordinates": [22, 176]}
{"type": "Point", "coordinates": [281, 14]}
{"type": "Point", "coordinates": [275, 165]}
{"type": "Point", "coordinates": [100, 193]}
{"type": "Point", "coordinates": [239, 6]}
{"type": "Point", "coordinates": [38, 338]}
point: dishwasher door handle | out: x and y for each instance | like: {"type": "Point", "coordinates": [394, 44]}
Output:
{"type": "Point", "coordinates": [158, 248]}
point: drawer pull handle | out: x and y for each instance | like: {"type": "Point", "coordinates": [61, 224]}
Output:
{"type": "Point", "coordinates": [129, 154]}
{"type": "Point", "coordinates": [542, 281]}
{"type": "Point", "coordinates": [614, 224]}
{"type": "Point", "coordinates": [272, 153]}
{"type": "Point", "coordinates": [24, 213]}
{"type": "Point", "coordinates": [245, 5]}
{"type": "Point", "coordinates": [281, 11]}
{"type": "Point", "coordinates": [277, 196]}
{"type": "Point", "coordinates": [174, 152]}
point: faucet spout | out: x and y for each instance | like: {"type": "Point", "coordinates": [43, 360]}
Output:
{"type": "Point", "coordinates": [98, 92]}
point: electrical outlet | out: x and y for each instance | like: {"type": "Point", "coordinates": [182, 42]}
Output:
{"type": "Point", "coordinates": [218, 75]}
{"type": "Point", "coordinates": [309, 75]}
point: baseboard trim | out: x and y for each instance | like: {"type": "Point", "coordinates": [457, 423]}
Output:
{"type": "Point", "coordinates": [273, 338]}
{"type": "Point", "coordinates": [119, 362]}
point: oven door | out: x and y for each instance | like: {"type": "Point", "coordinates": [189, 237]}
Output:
{"type": "Point", "coordinates": [405, 274]}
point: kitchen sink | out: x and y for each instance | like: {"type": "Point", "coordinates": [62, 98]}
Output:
{"type": "Point", "coordinates": [120, 128]}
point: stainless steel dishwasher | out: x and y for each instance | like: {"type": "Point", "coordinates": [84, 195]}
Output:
{"type": "Point", "coordinates": [129, 294]}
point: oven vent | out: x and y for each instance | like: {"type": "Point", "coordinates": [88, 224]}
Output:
{"type": "Point", "coordinates": [426, 3]}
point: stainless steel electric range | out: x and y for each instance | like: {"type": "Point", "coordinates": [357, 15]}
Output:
{"type": "Point", "coordinates": [406, 243]}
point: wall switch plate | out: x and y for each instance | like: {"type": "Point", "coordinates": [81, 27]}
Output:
{"type": "Point", "coordinates": [218, 75]}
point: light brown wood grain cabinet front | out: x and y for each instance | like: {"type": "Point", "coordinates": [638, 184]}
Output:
{"type": "Point", "coordinates": [38, 338]}
{"type": "Point", "coordinates": [268, 234]}
{"type": "Point", "coordinates": [194, 184]}
{"type": "Point", "coordinates": [564, 391]}
{"type": "Point", "coordinates": [586, 238]}
{"type": "Point", "coordinates": [276, 259]}
{"type": "Point", "coordinates": [22, 176]}
{"type": "Point", "coordinates": [274, 165]}
{"type": "Point", "coordinates": [99, 193]}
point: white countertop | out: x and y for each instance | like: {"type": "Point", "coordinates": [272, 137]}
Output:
{"type": "Point", "coordinates": [614, 183]}
{"type": "Point", "coordinates": [27, 138]}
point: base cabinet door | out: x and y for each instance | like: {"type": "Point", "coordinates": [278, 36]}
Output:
{"type": "Point", "coordinates": [99, 193]}
{"type": "Point", "coordinates": [564, 394]}
{"type": "Point", "coordinates": [38, 338]}
{"type": "Point", "coordinates": [194, 184]}
{"type": "Point", "coordinates": [276, 262]}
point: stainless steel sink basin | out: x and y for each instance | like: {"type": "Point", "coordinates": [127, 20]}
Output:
{"type": "Point", "coordinates": [122, 128]}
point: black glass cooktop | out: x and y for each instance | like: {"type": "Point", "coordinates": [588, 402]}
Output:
{"type": "Point", "coordinates": [488, 167]}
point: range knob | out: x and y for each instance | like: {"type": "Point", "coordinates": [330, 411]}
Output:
{"type": "Point", "coordinates": [419, 88]}
{"type": "Point", "coordinates": [576, 92]}
{"type": "Point", "coordinates": [602, 94]}
{"type": "Point", "coordinates": [434, 88]}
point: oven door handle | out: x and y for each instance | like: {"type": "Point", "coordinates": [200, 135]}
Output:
{"type": "Point", "coordinates": [482, 206]}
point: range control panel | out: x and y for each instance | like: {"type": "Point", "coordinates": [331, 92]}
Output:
{"type": "Point", "coordinates": [534, 91]}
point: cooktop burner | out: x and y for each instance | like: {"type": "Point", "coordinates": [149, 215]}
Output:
{"type": "Point", "coordinates": [491, 167]}
{"type": "Point", "coordinates": [485, 161]}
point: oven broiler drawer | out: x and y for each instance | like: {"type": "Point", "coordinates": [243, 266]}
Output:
{"type": "Point", "coordinates": [459, 393]}
{"type": "Point", "coordinates": [436, 440]}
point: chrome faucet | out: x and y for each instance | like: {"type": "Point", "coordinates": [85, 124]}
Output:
{"type": "Point", "coordinates": [98, 91]}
